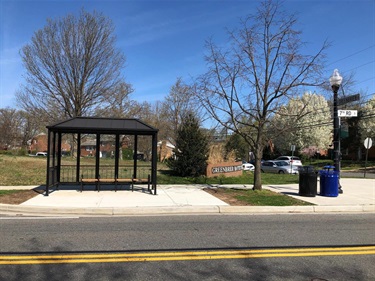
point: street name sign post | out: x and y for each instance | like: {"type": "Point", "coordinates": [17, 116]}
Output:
{"type": "Point", "coordinates": [292, 148]}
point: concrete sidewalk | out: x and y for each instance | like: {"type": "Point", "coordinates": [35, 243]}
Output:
{"type": "Point", "coordinates": [358, 196]}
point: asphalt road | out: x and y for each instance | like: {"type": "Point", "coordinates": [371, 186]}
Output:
{"type": "Point", "coordinates": [214, 247]}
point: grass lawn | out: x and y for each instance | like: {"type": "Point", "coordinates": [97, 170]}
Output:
{"type": "Point", "coordinates": [22, 170]}
{"type": "Point", "coordinates": [247, 178]}
{"type": "Point", "coordinates": [267, 198]}
{"type": "Point", "coordinates": [25, 170]}
{"type": "Point", "coordinates": [264, 197]}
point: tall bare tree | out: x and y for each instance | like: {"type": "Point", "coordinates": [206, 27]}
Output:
{"type": "Point", "coordinates": [70, 65]}
{"type": "Point", "coordinates": [117, 103]}
{"type": "Point", "coordinates": [176, 105]}
{"type": "Point", "coordinates": [262, 67]}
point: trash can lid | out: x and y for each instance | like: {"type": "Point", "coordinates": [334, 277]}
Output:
{"type": "Point", "coordinates": [306, 169]}
{"type": "Point", "coordinates": [328, 167]}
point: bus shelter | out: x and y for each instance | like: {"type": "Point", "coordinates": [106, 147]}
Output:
{"type": "Point", "coordinates": [98, 149]}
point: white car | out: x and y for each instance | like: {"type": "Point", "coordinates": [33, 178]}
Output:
{"type": "Point", "coordinates": [248, 167]}
{"type": "Point", "coordinates": [278, 167]}
{"type": "Point", "coordinates": [292, 160]}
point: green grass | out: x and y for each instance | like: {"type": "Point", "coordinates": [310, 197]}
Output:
{"type": "Point", "coordinates": [6, 192]}
{"type": "Point", "coordinates": [246, 178]}
{"type": "Point", "coordinates": [265, 198]}
{"type": "Point", "coordinates": [345, 164]}
{"type": "Point", "coordinates": [22, 170]}
{"type": "Point", "coordinates": [25, 170]}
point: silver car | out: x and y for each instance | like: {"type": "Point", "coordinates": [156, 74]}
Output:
{"type": "Point", "coordinates": [278, 167]}
{"type": "Point", "coordinates": [295, 161]}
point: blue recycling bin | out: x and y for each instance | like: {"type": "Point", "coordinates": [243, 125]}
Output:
{"type": "Point", "coordinates": [329, 182]}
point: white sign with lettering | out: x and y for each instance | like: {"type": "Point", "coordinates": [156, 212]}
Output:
{"type": "Point", "coordinates": [347, 113]}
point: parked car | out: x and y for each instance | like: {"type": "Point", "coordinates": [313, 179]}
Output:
{"type": "Point", "coordinates": [253, 161]}
{"type": "Point", "coordinates": [248, 167]}
{"type": "Point", "coordinates": [278, 167]}
{"type": "Point", "coordinates": [43, 154]}
{"type": "Point", "coordinates": [292, 160]}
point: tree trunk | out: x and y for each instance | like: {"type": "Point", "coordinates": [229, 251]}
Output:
{"type": "Point", "coordinates": [257, 172]}
{"type": "Point", "coordinates": [258, 153]}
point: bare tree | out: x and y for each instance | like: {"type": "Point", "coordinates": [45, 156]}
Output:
{"type": "Point", "coordinates": [31, 126]}
{"type": "Point", "coordinates": [260, 70]}
{"type": "Point", "coordinates": [117, 103]}
{"type": "Point", "coordinates": [10, 128]}
{"type": "Point", "coordinates": [71, 64]}
{"type": "Point", "coordinates": [178, 104]}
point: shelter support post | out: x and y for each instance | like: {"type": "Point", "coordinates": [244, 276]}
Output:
{"type": "Point", "coordinates": [117, 155]}
{"type": "Point", "coordinates": [135, 156]}
{"type": "Point", "coordinates": [78, 156]}
{"type": "Point", "coordinates": [154, 162]}
{"type": "Point", "coordinates": [58, 170]}
{"type": "Point", "coordinates": [48, 162]}
{"type": "Point", "coordinates": [97, 156]}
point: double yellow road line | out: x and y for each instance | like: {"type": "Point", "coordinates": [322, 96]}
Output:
{"type": "Point", "coordinates": [185, 255]}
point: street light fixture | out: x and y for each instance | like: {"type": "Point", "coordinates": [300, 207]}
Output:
{"type": "Point", "coordinates": [335, 82]}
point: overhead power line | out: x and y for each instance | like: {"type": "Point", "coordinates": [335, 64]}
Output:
{"type": "Point", "coordinates": [351, 55]}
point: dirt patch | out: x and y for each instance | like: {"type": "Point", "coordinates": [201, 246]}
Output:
{"type": "Point", "coordinates": [18, 197]}
{"type": "Point", "coordinates": [225, 196]}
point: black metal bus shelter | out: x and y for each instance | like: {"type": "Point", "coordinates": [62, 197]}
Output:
{"type": "Point", "coordinates": [98, 127]}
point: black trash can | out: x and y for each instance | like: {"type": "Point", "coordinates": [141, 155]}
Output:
{"type": "Point", "coordinates": [307, 181]}
{"type": "Point", "coordinates": [329, 182]}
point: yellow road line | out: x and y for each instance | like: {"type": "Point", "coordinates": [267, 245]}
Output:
{"type": "Point", "coordinates": [191, 255]}
{"type": "Point", "coordinates": [184, 253]}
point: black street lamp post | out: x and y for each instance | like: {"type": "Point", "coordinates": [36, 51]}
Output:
{"type": "Point", "coordinates": [335, 81]}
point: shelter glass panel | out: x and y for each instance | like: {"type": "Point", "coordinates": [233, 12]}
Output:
{"type": "Point", "coordinates": [68, 170]}
{"type": "Point", "coordinates": [144, 156]}
{"type": "Point", "coordinates": [126, 155]}
{"type": "Point", "coordinates": [88, 156]}
{"type": "Point", "coordinates": [52, 155]}
{"type": "Point", "coordinates": [107, 156]}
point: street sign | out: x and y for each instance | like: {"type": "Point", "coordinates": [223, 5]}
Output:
{"type": "Point", "coordinates": [348, 99]}
{"type": "Point", "coordinates": [347, 113]}
{"type": "Point", "coordinates": [368, 143]}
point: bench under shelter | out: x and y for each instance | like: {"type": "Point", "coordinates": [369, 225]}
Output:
{"type": "Point", "coordinates": [97, 144]}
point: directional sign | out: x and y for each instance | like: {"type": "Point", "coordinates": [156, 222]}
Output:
{"type": "Point", "coordinates": [347, 113]}
{"type": "Point", "coordinates": [348, 99]}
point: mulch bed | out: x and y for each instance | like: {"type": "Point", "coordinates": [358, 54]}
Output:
{"type": "Point", "coordinates": [18, 197]}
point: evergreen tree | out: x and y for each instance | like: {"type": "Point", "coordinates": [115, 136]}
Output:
{"type": "Point", "coordinates": [191, 149]}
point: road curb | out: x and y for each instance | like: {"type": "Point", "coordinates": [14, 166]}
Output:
{"type": "Point", "coordinates": [265, 209]}
{"type": "Point", "coordinates": [126, 211]}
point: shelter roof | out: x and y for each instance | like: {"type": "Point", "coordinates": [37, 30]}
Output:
{"type": "Point", "coordinates": [93, 125]}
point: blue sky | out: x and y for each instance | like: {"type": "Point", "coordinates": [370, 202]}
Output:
{"type": "Point", "coordinates": [164, 40]}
